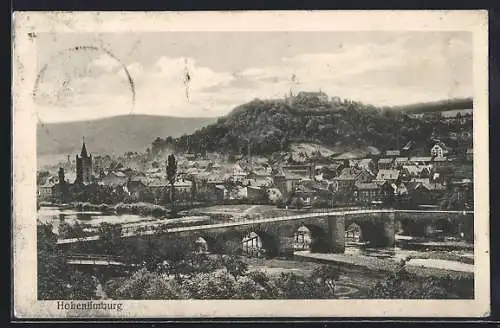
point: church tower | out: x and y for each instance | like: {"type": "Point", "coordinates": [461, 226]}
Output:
{"type": "Point", "coordinates": [84, 166]}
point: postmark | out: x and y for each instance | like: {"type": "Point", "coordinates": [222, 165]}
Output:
{"type": "Point", "coordinates": [198, 165]}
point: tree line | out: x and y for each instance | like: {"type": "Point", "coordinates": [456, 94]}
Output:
{"type": "Point", "coordinates": [267, 126]}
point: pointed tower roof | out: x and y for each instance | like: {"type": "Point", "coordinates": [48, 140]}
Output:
{"type": "Point", "coordinates": [83, 153]}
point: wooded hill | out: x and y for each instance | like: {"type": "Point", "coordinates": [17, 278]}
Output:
{"type": "Point", "coordinates": [273, 125]}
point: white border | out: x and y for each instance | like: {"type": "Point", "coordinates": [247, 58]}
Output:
{"type": "Point", "coordinates": [24, 155]}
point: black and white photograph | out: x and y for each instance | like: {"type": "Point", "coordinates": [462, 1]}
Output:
{"type": "Point", "coordinates": [245, 164]}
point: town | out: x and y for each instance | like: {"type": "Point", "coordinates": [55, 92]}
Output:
{"type": "Point", "coordinates": [288, 209]}
{"type": "Point", "coordinates": [442, 178]}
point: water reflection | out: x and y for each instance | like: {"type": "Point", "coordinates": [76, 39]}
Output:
{"type": "Point", "coordinates": [55, 216]}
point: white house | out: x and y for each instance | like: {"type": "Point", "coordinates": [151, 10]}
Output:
{"type": "Point", "coordinates": [439, 150]}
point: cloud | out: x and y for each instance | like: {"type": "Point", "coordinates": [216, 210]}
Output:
{"type": "Point", "coordinates": [403, 70]}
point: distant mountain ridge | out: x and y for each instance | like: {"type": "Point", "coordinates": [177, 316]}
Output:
{"type": "Point", "coordinates": [113, 135]}
{"type": "Point", "coordinates": [436, 106]}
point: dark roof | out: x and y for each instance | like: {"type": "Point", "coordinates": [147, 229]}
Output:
{"type": "Point", "coordinates": [427, 185]}
{"type": "Point", "coordinates": [348, 174]}
{"type": "Point", "coordinates": [408, 145]}
{"type": "Point", "coordinates": [83, 153]}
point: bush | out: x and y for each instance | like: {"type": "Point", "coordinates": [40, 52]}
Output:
{"type": "Point", "coordinates": [403, 285]}
{"type": "Point", "coordinates": [321, 203]}
{"type": "Point", "coordinates": [297, 203]}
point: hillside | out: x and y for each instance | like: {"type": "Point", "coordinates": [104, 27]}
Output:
{"type": "Point", "coordinates": [114, 135]}
{"type": "Point", "coordinates": [437, 106]}
{"type": "Point", "coordinates": [267, 126]}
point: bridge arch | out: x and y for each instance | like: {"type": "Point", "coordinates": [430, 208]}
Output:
{"type": "Point", "coordinates": [312, 237]}
{"type": "Point", "coordinates": [353, 233]}
{"type": "Point", "coordinates": [258, 243]}
{"type": "Point", "coordinates": [375, 230]}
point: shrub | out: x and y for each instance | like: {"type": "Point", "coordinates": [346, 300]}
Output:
{"type": "Point", "coordinates": [321, 203]}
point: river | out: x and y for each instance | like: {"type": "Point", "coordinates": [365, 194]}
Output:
{"type": "Point", "coordinates": [423, 253]}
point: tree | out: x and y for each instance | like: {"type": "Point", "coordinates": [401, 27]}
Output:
{"type": "Point", "coordinates": [403, 285]}
{"type": "Point", "coordinates": [41, 176]}
{"type": "Point", "coordinates": [51, 265]}
{"type": "Point", "coordinates": [234, 265]}
{"type": "Point", "coordinates": [81, 286]}
{"type": "Point", "coordinates": [55, 280]}
{"type": "Point", "coordinates": [110, 237]}
{"type": "Point", "coordinates": [294, 286]}
{"type": "Point", "coordinates": [171, 175]}
{"type": "Point", "coordinates": [327, 275]}
{"type": "Point", "coordinates": [213, 285]}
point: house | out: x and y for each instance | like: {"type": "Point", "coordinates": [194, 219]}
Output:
{"type": "Point", "coordinates": [114, 179]}
{"type": "Point", "coordinates": [416, 171]}
{"type": "Point", "coordinates": [259, 173]}
{"type": "Point", "coordinates": [345, 182]}
{"type": "Point", "coordinates": [136, 185]}
{"type": "Point", "coordinates": [220, 192]}
{"type": "Point", "coordinates": [238, 173]}
{"type": "Point", "coordinates": [400, 161]}
{"type": "Point", "coordinates": [306, 193]}
{"type": "Point", "coordinates": [261, 182]}
{"type": "Point", "coordinates": [401, 191]}
{"type": "Point", "coordinates": [331, 171]}
{"type": "Point", "coordinates": [469, 154]}
{"type": "Point", "coordinates": [366, 163]}
{"type": "Point", "coordinates": [420, 160]}
{"type": "Point", "coordinates": [439, 162]}
{"type": "Point", "coordinates": [156, 186]}
{"type": "Point", "coordinates": [305, 171]}
{"type": "Point", "coordinates": [46, 191]}
{"type": "Point", "coordinates": [385, 163]}
{"type": "Point", "coordinates": [182, 189]}
{"type": "Point", "coordinates": [286, 182]}
{"type": "Point", "coordinates": [439, 150]}
{"type": "Point", "coordinates": [405, 151]}
{"type": "Point", "coordinates": [202, 164]}
{"type": "Point", "coordinates": [182, 186]}
{"type": "Point", "coordinates": [388, 175]}
{"type": "Point", "coordinates": [392, 153]}
{"type": "Point", "coordinates": [425, 192]}
{"type": "Point", "coordinates": [366, 192]}
{"type": "Point", "coordinates": [190, 156]}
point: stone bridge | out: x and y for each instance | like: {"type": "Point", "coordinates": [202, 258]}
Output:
{"type": "Point", "coordinates": [323, 232]}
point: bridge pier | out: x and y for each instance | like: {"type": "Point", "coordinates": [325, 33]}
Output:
{"type": "Point", "coordinates": [336, 234]}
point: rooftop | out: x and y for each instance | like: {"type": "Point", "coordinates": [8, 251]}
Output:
{"type": "Point", "coordinates": [388, 175]}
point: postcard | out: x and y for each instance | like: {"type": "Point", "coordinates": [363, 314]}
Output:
{"type": "Point", "coordinates": [250, 164]}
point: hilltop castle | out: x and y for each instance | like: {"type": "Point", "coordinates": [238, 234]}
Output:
{"type": "Point", "coordinates": [291, 98]}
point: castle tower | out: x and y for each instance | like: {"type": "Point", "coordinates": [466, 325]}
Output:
{"type": "Point", "coordinates": [84, 166]}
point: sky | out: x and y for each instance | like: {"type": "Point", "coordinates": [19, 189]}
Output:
{"type": "Point", "coordinates": [227, 69]}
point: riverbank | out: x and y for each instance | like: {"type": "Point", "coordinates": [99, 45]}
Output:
{"type": "Point", "coordinates": [420, 267]}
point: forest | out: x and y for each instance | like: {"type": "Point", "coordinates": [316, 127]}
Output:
{"type": "Point", "coordinates": [268, 126]}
